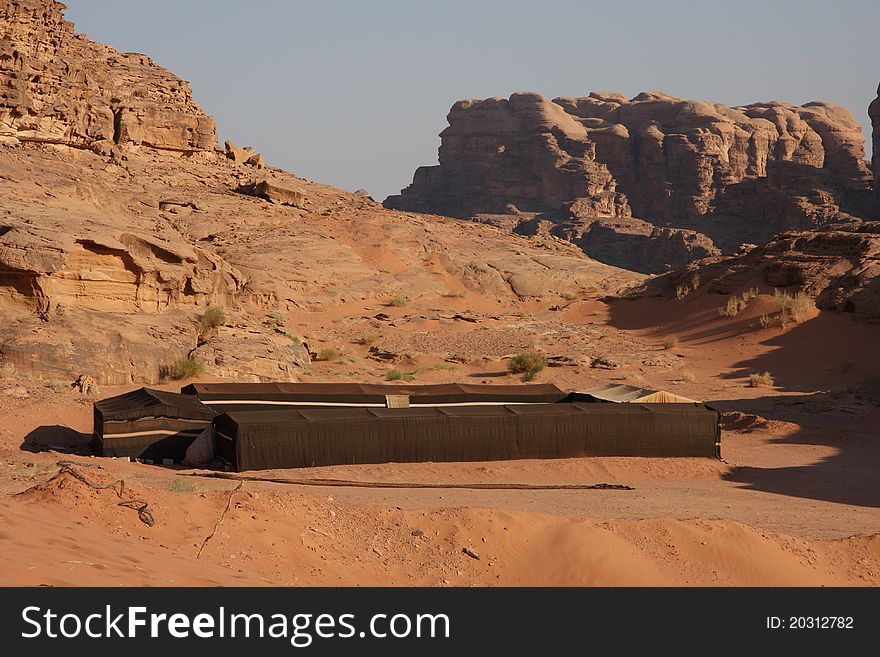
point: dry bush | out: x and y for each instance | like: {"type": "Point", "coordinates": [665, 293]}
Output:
{"type": "Point", "coordinates": [527, 363]}
{"type": "Point", "coordinates": [671, 342]}
{"type": "Point", "coordinates": [368, 338]}
{"type": "Point", "coordinates": [690, 377]}
{"type": "Point", "coordinates": [758, 380]}
{"type": "Point", "coordinates": [792, 307]}
{"type": "Point", "coordinates": [399, 302]}
{"type": "Point", "coordinates": [327, 354]}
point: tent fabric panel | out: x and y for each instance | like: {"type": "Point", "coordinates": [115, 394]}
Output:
{"type": "Point", "coordinates": [231, 397]}
{"type": "Point", "coordinates": [278, 441]}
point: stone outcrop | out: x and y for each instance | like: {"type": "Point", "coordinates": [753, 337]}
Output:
{"type": "Point", "coordinates": [839, 266]}
{"type": "Point", "coordinates": [736, 174]}
{"type": "Point", "coordinates": [59, 87]}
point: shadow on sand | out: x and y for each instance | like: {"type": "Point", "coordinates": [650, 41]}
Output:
{"type": "Point", "coordinates": [846, 422]}
{"type": "Point", "coordinates": [59, 439]}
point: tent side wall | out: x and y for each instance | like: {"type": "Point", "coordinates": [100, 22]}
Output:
{"type": "Point", "coordinates": [304, 439]}
{"type": "Point", "coordinates": [153, 438]}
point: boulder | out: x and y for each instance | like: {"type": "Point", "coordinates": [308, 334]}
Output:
{"type": "Point", "coordinates": [280, 194]}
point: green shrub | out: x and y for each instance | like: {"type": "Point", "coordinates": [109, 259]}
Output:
{"type": "Point", "coordinates": [186, 368]}
{"type": "Point", "coordinates": [758, 380]}
{"type": "Point", "coordinates": [399, 302]}
{"type": "Point", "coordinates": [293, 338]}
{"type": "Point", "coordinates": [527, 363]}
{"type": "Point", "coordinates": [397, 375]}
{"type": "Point", "coordinates": [277, 315]}
{"type": "Point", "coordinates": [212, 318]}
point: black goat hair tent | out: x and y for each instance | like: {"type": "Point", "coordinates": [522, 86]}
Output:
{"type": "Point", "coordinates": [230, 397]}
{"type": "Point", "coordinates": [315, 437]}
{"type": "Point", "coordinates": [149, 424]}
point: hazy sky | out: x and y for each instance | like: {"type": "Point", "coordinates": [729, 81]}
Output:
{"type": "Point", "coordinates": [355, 93]}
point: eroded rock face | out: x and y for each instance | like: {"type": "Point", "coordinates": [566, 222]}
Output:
{"type": "Point", "coordinates": [839, 266]}
{"type": "Point", "coordinates": [59, 87]}
{"type": "Point", "coordinates": [737, 174]}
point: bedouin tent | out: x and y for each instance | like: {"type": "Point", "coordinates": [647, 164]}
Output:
{"type": "Point", "coordinates": [149, 424]}
{"type": "Point", "coordinates": [328, 436]}
{"type": "Point", "coordinates": [228, 397]}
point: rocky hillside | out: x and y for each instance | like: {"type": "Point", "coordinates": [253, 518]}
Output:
{"type": "Point", "coordinates": [838, 266]}
{"type": "Point", "coordinates": [731, 174]}
{"type": "Point", "coordinates": [121, 221]}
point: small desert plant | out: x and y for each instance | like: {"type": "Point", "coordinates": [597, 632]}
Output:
{"type": "Point", "coordinates": [758, 380]}
{"type": "Point", "coordinates": [671, 342]}
{"type": "Point", "coordinates": [293, 338]}
{"type": "Point", "coordinates": [792, 307]}
{"type": "Point", "coordinates": [732, 308]}
{"type": "Point", "coordinates": [368, 339]}
{"type": "Point", "coordinates": [212, 318]}
{"type": "Point", "coordinates": [568, 296]}
{"type": "Point", "coordinates": [399, 302]}
{"type": "Point", "coordinates": [766, 320]}
{"type": "Point", "coordinates": [397, 375]}
{"type": "Point", "coordinates": [277, 315]}
{"type": "Point", "coordinates": [681, 291]}
{"type": "Point", "coordinates": [690, 377]}
{"type": "Point", "coordinates": [185, 368]}
{"type": "Point", "coordinates": [527, 363]}
{"type": "Point", "coordinates": [327, 354]}
{"type": "Point", "coordinates": [736, 304]}
{"type": "Point", "coordinates": [457, 294]}
{"type": "Point", "coordinates": [182, 486]}
{"type": "Point", "coordinates": [449, 367]}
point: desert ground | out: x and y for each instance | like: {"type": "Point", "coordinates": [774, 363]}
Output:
{"type": "Point", "coordinates": [792, 502]}
{"type": "Point", "coordinates": [610, 234]}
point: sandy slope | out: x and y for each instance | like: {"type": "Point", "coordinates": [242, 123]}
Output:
{"type": "Point", "coordinates": [794, 502]}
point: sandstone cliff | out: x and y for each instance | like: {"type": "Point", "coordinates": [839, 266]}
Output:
{"type": "Point", "coordinates": [59, 87]}
{"type": "Point", "coordinates": [121, 221]}
{"type": "Point", "coordinates": [736, 174]}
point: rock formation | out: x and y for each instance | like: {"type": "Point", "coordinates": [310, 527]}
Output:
{"type": "Point", "coordinates": [839, 266]}
{"type": "Point", "coordinates": [736, 174]}
{"type": "Point", "coordinates": [59, 87]}
{"type": "Point", "coordinates": [121, 221]}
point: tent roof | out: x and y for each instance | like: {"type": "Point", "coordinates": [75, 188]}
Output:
{"type": "Point", "coordinates": [231, 394]}
{"type": "Point", "coordinates": [146, 402]}
{"type": "Point", "coordinates": [382, 389]}
{"type": "Point", "coordinates": [620, 392]}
